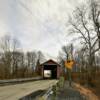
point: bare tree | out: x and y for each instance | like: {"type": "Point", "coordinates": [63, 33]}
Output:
{"type": "Point", "coordinates": [40, 56]}
{"type": "Point", "coordinates": [6, 55]}
{"type": "Point", "coordinates": [85, 22]}
{"type": "Point", "coordinates": [14, 63]}
{"type": "Point", "coordinates": [31, 61]}
{"type": "Point", "coordinates": [22, 69]}
{"type": "Point", "coordinates": [9, 56]}
{"type": "Point", "coordinates": [15, 56]}
{"type": "Point", "coordinates": [65, 54]}
{"type": "Point", "coordinates": [17, 62]}
{"type": "Point", "coordinates": [40, 59]}
{"type": "Point", "coordinates": [67, 51]}
{"type": "Point", "coordinates": [95, 17]}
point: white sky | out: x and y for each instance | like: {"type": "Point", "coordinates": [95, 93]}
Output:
{"type": "Point", "coordinates": [38, 24]}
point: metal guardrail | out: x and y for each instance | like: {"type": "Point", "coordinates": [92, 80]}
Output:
{"type": "Point", "coordinates": [46, 95]}
{"type": "Point", "coordinates": [48, 92]}
{"type": "Point", "coordinates": [12, 81]}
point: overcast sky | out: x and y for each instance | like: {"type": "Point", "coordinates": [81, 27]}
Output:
{"type": "Point", "coordinates": [37, 24]}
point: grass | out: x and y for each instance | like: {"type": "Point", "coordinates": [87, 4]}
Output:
{"type": "Point", "coordinates": [94, 83]}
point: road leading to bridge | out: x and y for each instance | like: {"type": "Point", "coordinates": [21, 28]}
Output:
{"type": "Point", "coordinates": [15, 92]}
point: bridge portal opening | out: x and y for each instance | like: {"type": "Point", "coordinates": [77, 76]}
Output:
{"type": "Point", "coordinates": [50, 71]}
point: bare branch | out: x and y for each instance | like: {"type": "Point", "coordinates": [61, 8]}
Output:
{"type": "Point", "coordinates": [94, 51]}
{"type": "Point", "coordinates": [80, 32]}
{"type": "Point", "coordinates": [94, 43]}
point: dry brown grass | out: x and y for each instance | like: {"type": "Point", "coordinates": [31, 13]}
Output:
{"type": "Point", "coordinates": [95, 83]}
{"type": "Point", "coordinates": [87, 92]}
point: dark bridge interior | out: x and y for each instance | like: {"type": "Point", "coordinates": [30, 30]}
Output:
{"type": "Point", "coordinates": [53, 69]}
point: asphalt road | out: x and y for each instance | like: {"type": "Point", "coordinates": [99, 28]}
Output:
{"type": "Point", "coordinates": [15, 92]}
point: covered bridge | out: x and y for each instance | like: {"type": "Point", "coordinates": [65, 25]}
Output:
{"type": "Point", "coordinates": [50, 69]}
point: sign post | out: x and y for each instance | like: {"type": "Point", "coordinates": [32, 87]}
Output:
{"type": "Point", "coordinates": [69, 65]}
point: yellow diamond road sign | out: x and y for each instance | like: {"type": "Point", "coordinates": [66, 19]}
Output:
{"type": "Point", "coordinates": [69, 64]}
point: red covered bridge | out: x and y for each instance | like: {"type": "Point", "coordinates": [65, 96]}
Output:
{"type": "Point", "coordinates": [50, 69]}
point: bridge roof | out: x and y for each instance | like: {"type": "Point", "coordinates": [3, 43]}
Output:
{"type": "Point", "coordinates": [50, 62]}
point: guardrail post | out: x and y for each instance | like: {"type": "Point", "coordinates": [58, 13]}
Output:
{"type": "Point", "coordinates": [61, 82]}
{"type": "Point", "coordinates": [54, 89]}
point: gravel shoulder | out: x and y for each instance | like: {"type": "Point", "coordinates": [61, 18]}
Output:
{"type": "Point", "coordinates": [74, 92]}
